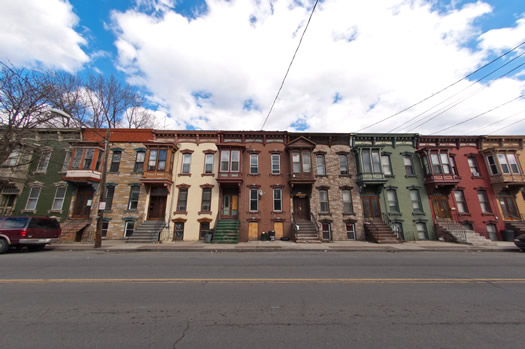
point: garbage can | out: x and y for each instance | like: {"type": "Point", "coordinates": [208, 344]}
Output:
{"type": "Point", "coordinates": [208, 237]}
{"type": "Point", "coordinates": [264, 236]}
{"type": "Point", "coordinates": [271, 233]}
{"type": "Point", "coordinates": [508, 235]}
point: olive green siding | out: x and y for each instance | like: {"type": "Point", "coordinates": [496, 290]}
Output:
{"type": "Point", "coordinates": [396, 147]}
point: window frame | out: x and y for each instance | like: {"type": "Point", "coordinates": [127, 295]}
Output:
{"type": "Point", "coordinates": [115, 161]}
{"type": "Point", "coordinates": [278, 200]}
{"type": "Point", "coordinates": [276, 164]}
{"type": "Point", "coordinates": [461, 204]}
{"type": "Point", "coordinates": [352, 231]}
{"type": "Point", "coordinates": [422, 234]}
{"type": "Point", "coordinates": [320, 167]}
{"type": "Point", "coordinates": [473, 166]}
{"type": "Point", "coordinates": [206, 200]}
{"type": "Point", "coordinates": [182, 200]}
{"type": "Point", "coordinates": [56, 198]}
{"type": "Point", "coordinates": [484, 202]}
{"type": "Point", "coordinates": [186, 163]}
{"type": "Point", "coordinates": [409, 166]}
{"type": "Point", "coordinates": [386, 165]}
{"type": "Point", "coordinates": [417, 205]}
{"type": "Point", "coordinates": [134, 195]}
{"type": "Point", "coordinates": [31, 198]}
{"type": "Point", "coordinates": [344, 168]}
{"type": "Point", "coordinates": [254, 163]}
{"type": "Point", "coordinates": [324, 201]}
{"type": "Point", "coordinates": [208, 163]}
{"type": "Point", "coordinates": [139, 165]}
{"type": "Point", "coordinates": [350, 209]}
{"type": "Point", "coordinates": [127, 228]}
{"type": "Point", "coordinates": [43, 162]}
{"type": "Point", "coordinates": [110, 189]}
{"type": "Point", "coordinates": [393, 203]}
{"type": "Point", "coordinates": [254, 200]}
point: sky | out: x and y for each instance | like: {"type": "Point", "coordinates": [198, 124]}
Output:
{"type": "Point", "coordinates": [406, 66]}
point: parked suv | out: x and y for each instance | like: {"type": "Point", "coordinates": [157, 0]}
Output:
{"type": "Point", "coordinates": [32, 232]}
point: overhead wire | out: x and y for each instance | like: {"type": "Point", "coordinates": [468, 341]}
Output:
{"type": "Point", "coordinates": [444, 89]}
{"type": "Point", "coordinates": [289, 66]}
{"type": "Point", "coordinates": [514, 123]}
{"type": "Point", "coordinates": [494, 123]}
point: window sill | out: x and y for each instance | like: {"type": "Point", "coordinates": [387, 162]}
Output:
{"type": "Point", "coordinates": [111, 172]}
{"type": "Point", "coordinates": [419, 213]}
{"type": "Point", "coordinates": [205, 212]}
{"type": "Point", "coordinates": [317, 176]}
{"type": "Point", "coordinates": [184, 174]}
{"type": "Point", "coordinates": [464, 214]}
{"type": "Point", "coordinates": [276, 174]}
{"type": "Point", "coordinates": [394, 214]}
{"type": "Point", "coordinates": [28, 211]}
{"type": "Point", "coordinates": [487, 214]}
{"type": "Point", "coordinates": [133, 211]}
{"type": "Point", "coordinates": [180, 212]}
{"type": "Point", "coordinates": [348, 213]}
{"type": "Point", "coordinates": [410, 176]}
{"type": "Point", "coordinates": [254, 212]}
{"type": "Point", "coordinates": [208, 174]}
{"type": "Point", "coordinates": [325, 214]}
{"type": "Point", "coordinates": [345, 176]}
{"type": "Point", "coordinates": [55, 211]}
{"type": "Point", "coordinates": [278, 212]}
{"type": "Point", "coordinates": [254, 174]}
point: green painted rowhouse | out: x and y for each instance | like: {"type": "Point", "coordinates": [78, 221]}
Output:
{"type": "Point", "coordinates": [391, 185]}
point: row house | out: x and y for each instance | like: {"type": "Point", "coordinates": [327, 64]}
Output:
{"type": "Point", "coordinates": [393, 194]}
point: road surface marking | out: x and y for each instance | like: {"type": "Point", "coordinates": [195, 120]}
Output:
{"type": "Point", "coordinates": [271, 281]}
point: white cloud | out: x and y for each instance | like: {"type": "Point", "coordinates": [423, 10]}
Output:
{"type": "Point", "coordinates": [378, 57]}
{"type": "Point", "coordinates": [34, 32]}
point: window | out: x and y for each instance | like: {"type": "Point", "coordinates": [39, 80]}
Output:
{"type": "Point", "coordinates": [206, 200]}
{"type": "Point", "coordinates": [301, 162]}
{"type": "Point", "coordinates": [350, 231]}
{"type": "Point", "coordinates": [503, 163]}
{"type": "Point", "coordinates": [179, 231]}
{"type": "Point", "coordinates": [77, 158]}
{"type": "Point", "coordinates": [139, 161]}
{"type": "Point", "coordinates": [323, 200]}
{"type": "Point", "coordinates": [230, 160]}
{"type": "Point", "coordinates": [347, 202]}
{"type": "Point", "coordinates": [208, 163]}
{"type": "Point", "coordinates": [105, 226]}
{"type": "Point", "coordinates": [12, 160]}
{"type": "Point", "coordinates": [445, 163]}
{"type": "Point", "coordinates": [225, 161]}
{"type": "Point", "coordinates": [421, 231]}
{"type": "Point", "coordinates": [58, 201]}
{"type": "Point", "coordinates": [416, 201]}
{"type": "Point", "coordinates": [33, 198]}
{"type": "Point", "coordinates": [473, 165]}
{"type": "Point", "coordinates": [277, 200]}
{"type": "Point", "coordinates": [409, 168]}
{"type": "Point", "coordinates": [67, 159]}
{"type": "Point", "coordinates": [343, 165]}
{"type": "Point", "coordinates": [321, 166]}
{"type": "Point", "coordinates": [254, 163]}
{"type": "Point", "coordinates": [182, 201]}
{"type": "Point", "coordinates": [426, 168]}
{"type": "Point", "coordinates": [236, 158]}
{"type": "Point", "coordinates": [254, 202]}
{"type": "Point", "coordinates": [296, 162]}
{"type": "Point", "coordinates": [460, 201]}
{"type": "Point", "coordinates": [43, 162]}
{"type": "Point", "coordinates": [385, 164]}
{"type": "Point", "coordinates": [186, 162]}
{"type": "Point", "coordinates": [152, 162]}
{"type": "Point", "coordinates": [306, 161]}
{"type": "Point", "coordinates": [163, 155]}
{"type": "Point", "coordinates": [276, 163]}
{"type": "Point", "coordinates": [129, 227]}
{"type": "Point", "coordinates": [110, 192]}
{"type": "Point", "coordinates": [88, 158]}
{"type": "Point", "coordinates": [115, 161]}
{"type": "Point", "coordinates": [204, 229]}
{"type": "Point", "coordinates": [492, 230]}
{"type": "Point", "coordinates": [371, 161]}
{"type": "Point", "coordinates": [397, 229]}
{"type": "Point", "coordinates": [513, 163]}
{"type": "Point", "coordinates": [327, 231]}
{"type": "Point", "coordinates": [453, 165]}
{"type": "Point", "coordinates": [157, 159]}
{"type": "Point", "coordinates": [436, 166]}
{"type": "Point", "coordinates": [484, 201]}
{"type": "Point", "coordinates": [392, 200]}
{"type": "Point", "coordinates": [492, 165]}
{"type": "Point", "coordinates": [99, 161]}
{"type": "Point", "coordinates": [134, 198]}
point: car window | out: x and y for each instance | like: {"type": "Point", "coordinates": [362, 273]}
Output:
{"type": "Point", "coordinates": [14, 223]}
{"type": "Point", "coordinates": [41, 223]}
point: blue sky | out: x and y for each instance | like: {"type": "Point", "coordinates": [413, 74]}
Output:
{"type": "Point", "coordinates": [217, 64]}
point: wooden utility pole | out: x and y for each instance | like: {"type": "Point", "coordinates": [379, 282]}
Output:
{"type": "Point", "coordinates": [102, 188]}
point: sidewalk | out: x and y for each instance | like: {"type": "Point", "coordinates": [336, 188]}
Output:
{"type": "Point", "coordinates": [285, 246]}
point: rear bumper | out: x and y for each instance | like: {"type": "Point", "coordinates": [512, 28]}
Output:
{"type": "Point", "coordinates": [37, 241]}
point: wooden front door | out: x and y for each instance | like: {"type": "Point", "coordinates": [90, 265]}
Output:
{"type": "Point", "coordinates": [157, 208]}
{"type": "Point", "coordinates": [278, 227]}
{"type": "Point", "coordinates": [301, 208]}
{"type": "Point", "coordinates": [441, 208]}
{"type": "Point", "coordinates": [83, 202]}
{"type": "Point", "coordinates": [230, 206]}
{"type": "Point", "coordinates": [253, 231]}
{"type": "Point", "coordinates": [371, 208]}
{"type": "Point", "coordinates": [508, 207]}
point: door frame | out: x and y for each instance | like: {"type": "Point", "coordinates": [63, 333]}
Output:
{"type": "Point", "coordinates": [371, 198]}
{"type": "Point", "coordinates": [86, 191]}
{"type": "Point", "coordinates": [437, 201]}
{"type": "Point", "coordinates": [305, 201]}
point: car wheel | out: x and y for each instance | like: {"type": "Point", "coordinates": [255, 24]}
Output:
{"type": "Point", "coordinates": [3, 246]}
{"type": "Point", "coordinates": [36, 247]}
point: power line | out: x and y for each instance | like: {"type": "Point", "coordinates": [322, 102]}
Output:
{"type": "Point", "coordinates": [289, 66]}
{"type": "Point", "coordinates": [514, 123]}
{"type": "Point", "coordinates": [477, 116]}
{"type": "Point", "coordinates": [449, 86]}
{"type": "Point", "coordinates": [495, 123]}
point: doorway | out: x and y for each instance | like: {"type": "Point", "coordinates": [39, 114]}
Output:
{"type": "Point", "coordinates": [371, 208]}
{"type": "Point", "coordinates": [230, 206]}
{"type": "Point", "coordinates": [301, 208]}
{"type": "Point", "coordinates": [83, 202]}
{"type": "Point", "coordinates": [157, 204]}
{"type": "Point", "coordinates": [441, 208]}
{"type": "Point", "coordinates": [508, 207]}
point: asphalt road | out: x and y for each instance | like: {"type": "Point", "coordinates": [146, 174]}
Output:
{"type": "Point", "coordinates": [261, 300]}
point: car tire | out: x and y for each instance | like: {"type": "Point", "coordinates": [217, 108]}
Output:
{"type": "Point", "coordinates": [4, 246]}
{"type": "Point", "coordinates": [36, 247]}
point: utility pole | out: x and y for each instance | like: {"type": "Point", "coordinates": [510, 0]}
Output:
{"type": "Point", "coordinates": [102, 188]}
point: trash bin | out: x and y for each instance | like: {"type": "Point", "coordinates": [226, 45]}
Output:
{"type": "Point", "coordinates": [208, 237]}
{"type": "Point", "coordinates": [508, 235]}
{"type": "Point", "coordinates": [264, 236]}
{"type": "Point", "coordinates": [271, 233]}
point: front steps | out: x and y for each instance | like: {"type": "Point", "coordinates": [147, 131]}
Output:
{"type": "Point", "coordinates": [454, 232]}
{"type": "Point", "coordinates": [147, 232]}
{"type": "Point", "coordinates": [306, 233]}
{"type": "Point", "coordinates": [226, 231]}
{"type": "Point", "coordinates": [517, 226]}
{"type": "Point", "coordinates": [73, 229]}
{"type": "Point", "coordinates": [377, 231]}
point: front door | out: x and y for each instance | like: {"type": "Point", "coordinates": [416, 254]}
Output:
{"type": "Point", "coordinates": [230, 206]}
{"type": "Point", "coordinates": [508, 207]}
{"type": "Point", "coordinates": [301, 208]}
{"type": "Point", "coordinates": [371, 208]}
{"type": "Point", "coordinates": [441, 208]}
{"type": "Point", "coordinates": [157, 208]}
{"type": "Point", "coordinates": [83, 202]}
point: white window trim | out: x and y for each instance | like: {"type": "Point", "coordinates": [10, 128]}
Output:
{"type": "Point", "coordinates": [44, 157]}
{"type": "Point", "coordinates": [278, 157]}
{"type": "Point", "coordinates": [36, 200]}
{"type": "Point", "coordinates": [55, 198]}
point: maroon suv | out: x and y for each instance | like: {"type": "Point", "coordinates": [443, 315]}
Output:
{"type": "Point", "coordinates": [32, 232]}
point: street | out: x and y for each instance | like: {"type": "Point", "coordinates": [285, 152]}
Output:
{"type": "Point", "coordinates": [57, 299]}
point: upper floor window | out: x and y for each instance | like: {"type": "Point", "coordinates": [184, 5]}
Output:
{"type": "Point", "coordinates": [416, 201]}
{"type": "Point", "coordinates": [67, 159]}
{"type": "Point", "coordinates": [277, 200]}
{"type": "Point", "coordinates": [58, 201]}
{"type": "Point", "coordinates": [12, 160]}
{"type": "Point", "coordinates": [44, 161]}
{"type": "Point", "coordinates": [441, 163]}
{"type": "Point", "coordinates": [157, 159]}
{"type": "Point", "coordinates": [276, 163]}
{"type": "Point", "coordinates": [321, 166]}
{"type": "Point", "coordinates": [343, 164]}
{"type": "Point", "coordinates": [385, 163]}
{"type": "Point", "coordinates": [473, 165]}
{"type": "Point", "coordinates": [208, 163]}
{"type": "Point", "coordinates": [110, 193]}
{"type": "Point", "coordinates": [508, 163]}
{"type": "Point", "coordinates": [206, 200]}
{"type": "Point", "coordinates": [32, 199]}
{"type": "Point", "coordinates": [182, 200]}
{"type": "Point", "coordinates": [88, 158]}
{"type": "Point", "coordinates": [186, 163]}
{"type": "Point", "coordinates": [371, 161]}
{"type": "Point", "coordinates": [347, 202]}
{"type": "Point", "coordinates": [139, 161]}
{"type": "Point", "coordinates": [254, 199]}
{"type": "Point", "coordinates": [323, 200]}
{"type": "Point", "coordinates": [301, 162]}
{"type": "Point", "coordinates": [484, 201]}
{"type": "Point", "coordinates": [492, 165]}
{"type": "Point", "coordinates": [409, 167]}
{"type": "Point", "coordinates": [230, 160]}
{"type": "Point", "coordinates": [133, 198]}
{"type": "Point", "coordinates": [254, 163]}
{"type": "Point", "coordinates": [391, 196]}
{"type": "Point", "coordinates": [115, 161]}
{"type": "Point", "coordinates": [460, 201]}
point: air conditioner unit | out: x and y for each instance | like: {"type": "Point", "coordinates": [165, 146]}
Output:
{"type": "Point", "coordinates": [475, 174]}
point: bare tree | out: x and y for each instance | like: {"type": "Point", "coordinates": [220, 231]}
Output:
{"type": "Point", "coordinates": [68, 95]}
{"type": "Point", "coordinates": [139, 117]}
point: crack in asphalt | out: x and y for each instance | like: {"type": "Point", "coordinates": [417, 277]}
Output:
{"type": "Point", "coordinates": [183, 334]}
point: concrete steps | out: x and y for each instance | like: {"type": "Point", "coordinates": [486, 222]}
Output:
{"type": "Point", "coordinates": [307, 233]}
{"type": "Point", "coordinates": [147, 232]}
{"type": "Point", "coordinates": [462, 235]}
{"type": "Point", "coordinates": [226, 232]}
{"type": "Point", "coordinates": [379, 232]}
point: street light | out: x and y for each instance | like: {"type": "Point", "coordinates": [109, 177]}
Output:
{"type": "Point", "coordinates": [102, 185]}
